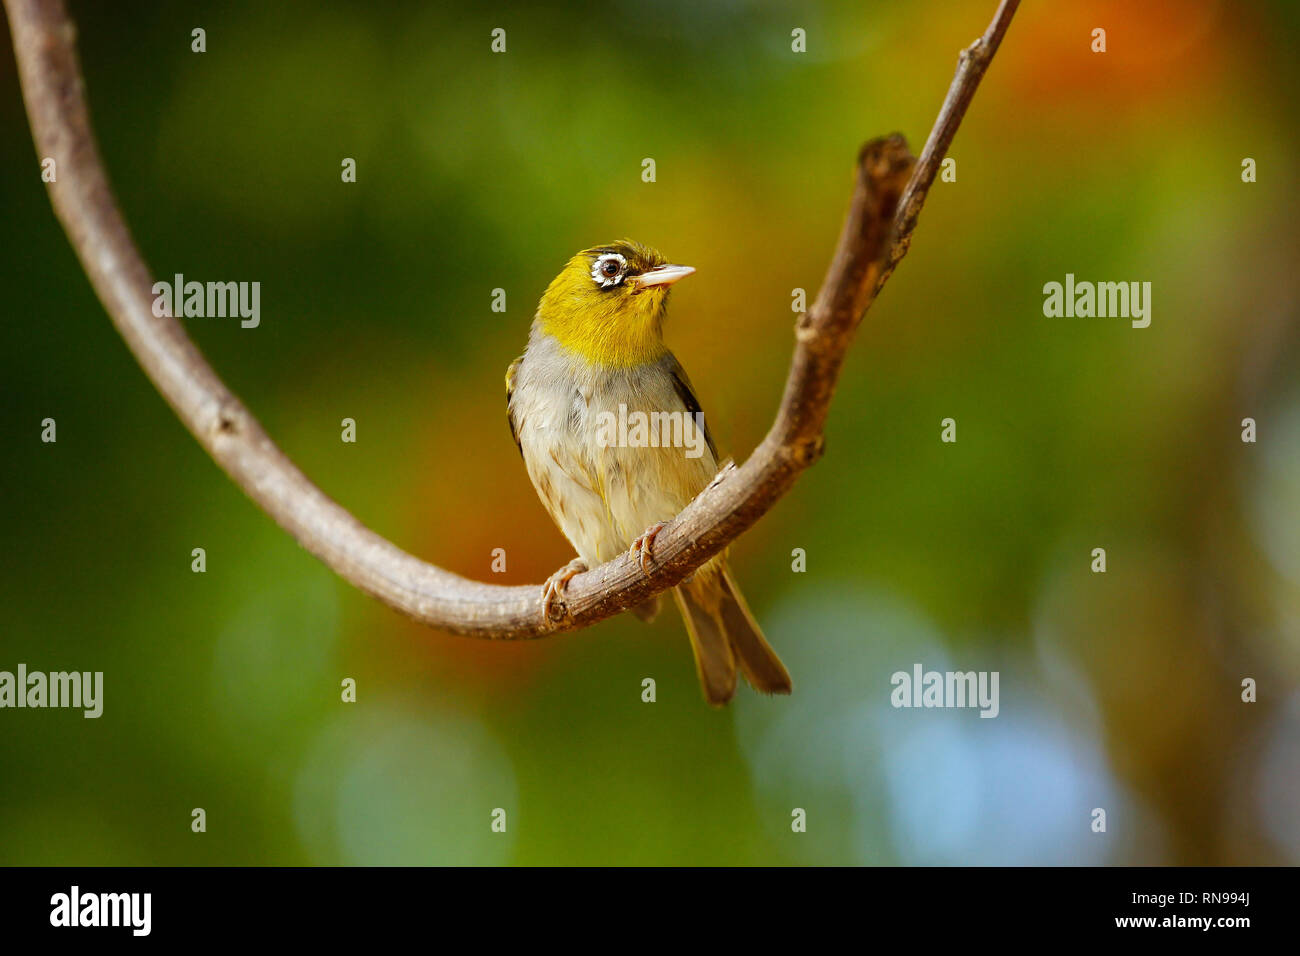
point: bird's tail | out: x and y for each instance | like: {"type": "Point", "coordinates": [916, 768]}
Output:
{"type": "Point", "coordinates": [723, 634]}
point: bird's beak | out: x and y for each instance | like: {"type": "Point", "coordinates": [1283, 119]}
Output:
{"type": "Point", "coordinates": [663, 275]}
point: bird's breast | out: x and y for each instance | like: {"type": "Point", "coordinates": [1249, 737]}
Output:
{"type": "Point", "coordinates": [610, 451]}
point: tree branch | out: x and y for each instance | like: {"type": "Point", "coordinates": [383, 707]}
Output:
{"type": "Point", "coordinates": [891, 189]}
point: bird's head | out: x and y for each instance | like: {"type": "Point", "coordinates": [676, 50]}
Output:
{"type": "Point", "coordinates": [608, 304]}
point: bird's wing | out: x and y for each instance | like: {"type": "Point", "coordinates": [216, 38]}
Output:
{"type": "Point", "coordinates": [510, 412]}
{"type": "Point", "coordinates": [682, 386]}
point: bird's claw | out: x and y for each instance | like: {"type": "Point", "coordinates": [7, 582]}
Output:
{"type": "Point", "coordinates": [553, 590]}
{"type": "Point", "coordinates": [643, 545]}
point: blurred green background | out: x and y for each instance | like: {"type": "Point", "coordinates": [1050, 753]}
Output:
{"type": "Point", "coordinates": [478, 171]}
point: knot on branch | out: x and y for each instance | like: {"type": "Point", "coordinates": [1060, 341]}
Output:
{"type": "Point", "coordinates": [809, 327]}
{"type": "Point", "coordinates": [229, 420]}
{"type": "Point", "coordinates": [804, 452]}
{"type": "Point", "coordinates": [977, 54]}
{"type": "Point", "coordinates": [886, 159]}
{"type": "Point", "coordinates": [726, 471]}
{"type": "Point", "coordinates": [557, 612]}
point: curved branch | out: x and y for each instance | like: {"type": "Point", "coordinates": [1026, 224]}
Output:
{"type": "Point", "coordinates": [890, 191]}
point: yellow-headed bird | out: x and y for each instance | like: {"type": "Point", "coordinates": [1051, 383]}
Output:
{"type": "Point", "coordinates": [615, 444]}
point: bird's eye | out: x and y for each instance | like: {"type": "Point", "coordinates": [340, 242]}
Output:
{"type": "Point", "coordinates": [607, 271]}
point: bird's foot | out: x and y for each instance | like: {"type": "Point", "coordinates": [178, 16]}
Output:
{"type": "Point", "coordinates": [641, 548]}
{"type": "Point", "coordinates": [553, 589]}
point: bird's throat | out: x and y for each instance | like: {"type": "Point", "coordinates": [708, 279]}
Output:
{"type": "Point", "coordinates": [621, 337]}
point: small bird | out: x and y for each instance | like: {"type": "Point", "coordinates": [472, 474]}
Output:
{"type": "Point", "coordinates": [616, 444]}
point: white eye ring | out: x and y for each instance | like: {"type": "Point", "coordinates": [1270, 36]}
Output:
{"type": "Point", "coordinates": [598, 270]}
